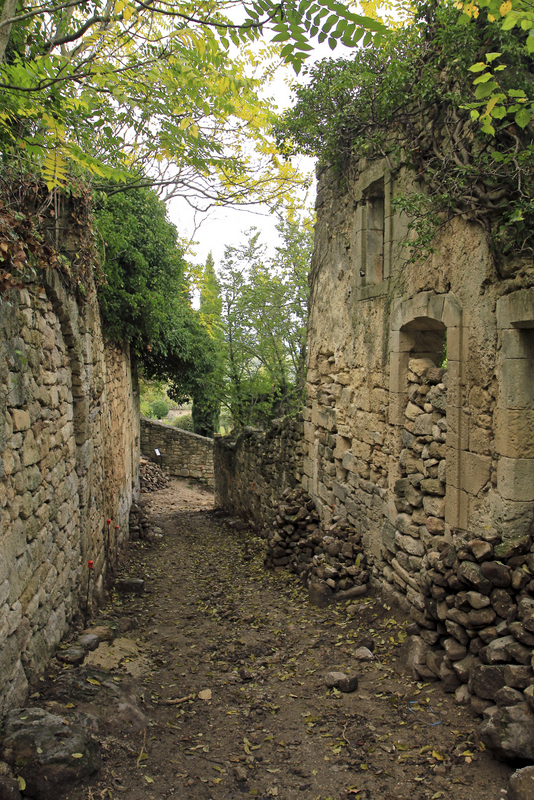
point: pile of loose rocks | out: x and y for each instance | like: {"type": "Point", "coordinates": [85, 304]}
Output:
{"type": "Point", "coordinates": [152, 478]}
{"type": "Point", "coordinates": [329, 557]}
{"type": "Point", "coordinates": [474, 630]}
{"type": "Point", "coordinates": [139, 525]}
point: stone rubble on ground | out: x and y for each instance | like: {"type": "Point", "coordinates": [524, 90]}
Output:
{"type": "Point", "coordinates": [329, 559]}
{"type": "Point", "coordinates": [151, 477]}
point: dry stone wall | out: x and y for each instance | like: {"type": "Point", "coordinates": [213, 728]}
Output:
{"type": "Point", "coordinates": [69, 454]}
{"type": "Point", "coordinates": [182, 453]}
{"type": "Point", "coordinates": [252, 471]}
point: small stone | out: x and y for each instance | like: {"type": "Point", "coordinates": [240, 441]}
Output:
{"type": "Point", "coordinates": [518, 676]}
{"type": "Point", "coordinates": [477, 600]}
{"type": "Point", "coordinates": [363, 654]}
{"type": "Point", "coordinates": [462, 696]}
{"type": "Point", "coordinates": [240, 774]}
{"type": "Point", "coordinates": [509, 733]}
{"type": "Point", "coordinates": [340, 681]}
{"type": "Point", "coordinates": [104, 633]}
{"type": "Point", "coordinates": [319, 594]}
{"type": "Point", "coordinates": [127, 624]}
{"type": "Point", "coordinates": [245, 674]}
{"type": "Point", "coordinates": [72, 655]}
{"type": "Point", "coordinates": [89, 641]}
{"type": "Point", "coordinates": [498, 574]}
{"type": "Point", "coordinates": [508, 697]}
{"type": "Point", "coordinates": [454, 649]}
{"type": "Point", "coordinates": [522, 784]}
{"type": "Point", "coordinates": [486, 680]}
{"type": "Point", "coordinates": [496, 651]}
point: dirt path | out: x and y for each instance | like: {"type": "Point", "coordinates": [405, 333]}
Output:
{"type": "Point", "coordinates": [219, 691]}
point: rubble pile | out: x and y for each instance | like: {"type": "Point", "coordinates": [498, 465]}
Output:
{"type": "Point", "coordinates": [139, 525]}
{"type": "Point", "coordinates": [331, 554]}
{"type": "Point", "coordinates": [152, 477]}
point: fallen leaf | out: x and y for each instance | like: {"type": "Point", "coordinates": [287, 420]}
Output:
{"type": "Point", "coordinates": [21, 782]}
{"type": "Point", "coordinates": [205, 694]}
{"type": "Point", "coordinates": [77, 755]}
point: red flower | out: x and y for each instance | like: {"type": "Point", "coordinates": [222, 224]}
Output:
{"type": "Point", "coordinates": [108, 521]}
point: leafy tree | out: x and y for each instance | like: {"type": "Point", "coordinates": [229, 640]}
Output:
{"type": "Point", "coordinates": [264, 317]}
{"type": "Point", "coordinates": [207, 402]}
{"type": "Point", "coordinates": [159, 408]}
{"type": "Point", "coordinates": [408, 101]}
{"type": "Point", "coordinates": [144, 300]}
{"type": "Point", "coordinates": [126, 89]}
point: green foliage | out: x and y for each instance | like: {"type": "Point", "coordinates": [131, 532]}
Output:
{"type": "Point", "coordinates": [207, 402]}
{"type": "Point", "coordinates": [144, 300]}
{"type": "Point", "coordinates": [264, 316]}
{"type": "Point", "coordinates": [121, 90]}
{"type": "Point", "coordinates": [410, 101]}
{"type": "Point", "coordinates": [159, 408]}
{"type": "Point", "coordinates": [185, 423]}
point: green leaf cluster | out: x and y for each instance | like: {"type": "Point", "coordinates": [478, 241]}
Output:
{"type": "Point", "coordinates": [144, 299]}
{"type": "Point", "coordinates": [412, 101]}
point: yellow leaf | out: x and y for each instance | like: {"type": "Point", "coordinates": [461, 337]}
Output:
{"type": "Point", "coordinates": [93, 681]}
{"type": "Point", "coordinates": [505, 8]}
{"type": "Point", "coordinates": [21, 782]}
{"type": "Point", "coordinates": [437, 756]}
{"type": "Point", "coordinates": [77, 755]}
{"type": "Point", "coordinates": [69, 705]}
{"type": "Point", "coordinates": [148, 779]}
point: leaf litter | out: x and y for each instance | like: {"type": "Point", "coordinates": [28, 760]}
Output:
{"type": "Point", "coordinates": [233, 700]}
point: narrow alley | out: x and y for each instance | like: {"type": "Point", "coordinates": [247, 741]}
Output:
{"type": "Point", "coordinates": [214, 685]}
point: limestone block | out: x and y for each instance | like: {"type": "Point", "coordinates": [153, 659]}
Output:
{"type": "Point", "coordinates": [517, 386]}
{"type": "Point", "coordinates": [513, 432]}
{"type": "Point", "coordinates": [515, 478]}
{"type": "Point", "coordinates": [20, 419]}
{"type": "Point", "coordinates": [434, 506]}
{"type": "Point", "coordinates": [423, 425]}
{"type": "Point", "coordinates": [474, 471]}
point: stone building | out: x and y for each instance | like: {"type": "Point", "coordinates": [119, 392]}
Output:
{"type": "Point", "coordinates": [420, 418]}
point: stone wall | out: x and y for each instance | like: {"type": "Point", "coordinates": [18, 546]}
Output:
{"type": "Point", "coordinates": [252, 472]}
{"type": "Point", "coordinates": [184, 454]}
{"type": "Point", "coordinates": [434, 468]}
{"type": "Point", "coordinates": [69, 455]}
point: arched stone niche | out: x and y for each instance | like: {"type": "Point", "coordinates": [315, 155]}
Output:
{"type": "Point", "coordinates": [514, 423]}
{"type": "Point", "coordinates": [421, 327]}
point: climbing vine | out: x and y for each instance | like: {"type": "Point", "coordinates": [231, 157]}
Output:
{"type": "Point", "coordinates": [410, 102]}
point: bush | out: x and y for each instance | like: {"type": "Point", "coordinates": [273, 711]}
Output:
{"type": "Point", "coordinates": [159, 408]}
{"type": "Point", "coordinates": [185, 423]}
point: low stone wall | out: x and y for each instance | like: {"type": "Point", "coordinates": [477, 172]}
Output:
{"type": "Point", "coordinates": [183, 454]}
{"type": "Point", "coordinates": [69, 455]}
{"type": "Point", "coordinates": [252, 471]}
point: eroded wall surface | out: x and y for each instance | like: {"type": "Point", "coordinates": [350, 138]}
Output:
{"type": "Point", "coordinates": [69, 455]}
{"type": "Point", "coordinates": [419, 426]}
{"type": "Point", "coordinates": [182, 453]}
{"type": "Point", "coordinates": [252, 471]}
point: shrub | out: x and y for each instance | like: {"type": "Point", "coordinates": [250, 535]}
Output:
{"type": "Point", "coordinates": [159, 408]}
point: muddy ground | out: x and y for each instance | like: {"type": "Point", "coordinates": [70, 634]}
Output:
{"type": "Point", "coordinates": [218, 691]}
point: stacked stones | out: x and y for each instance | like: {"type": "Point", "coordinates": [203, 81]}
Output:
{"type": "Point", "coordinates": [139, 527]}
{"type": "Point", "coordinates": [332, 554]}
{"type": "Point", "coordinates": [420, 492]}
{"type": "Point", "coordinates": [253, 471]}
{"type": "Point", "coordinates": [479, 608]}
{"type": "Point", "coordinates": [151, 477]}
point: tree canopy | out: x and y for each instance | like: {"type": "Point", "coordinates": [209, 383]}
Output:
{"type": "Point", "coordinates": [155, 91]}
{"type": "Point", "coordinates": [144, 298]}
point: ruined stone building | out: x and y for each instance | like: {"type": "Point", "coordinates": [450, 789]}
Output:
{"type": "Point", "coordinates": [418, 431]}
